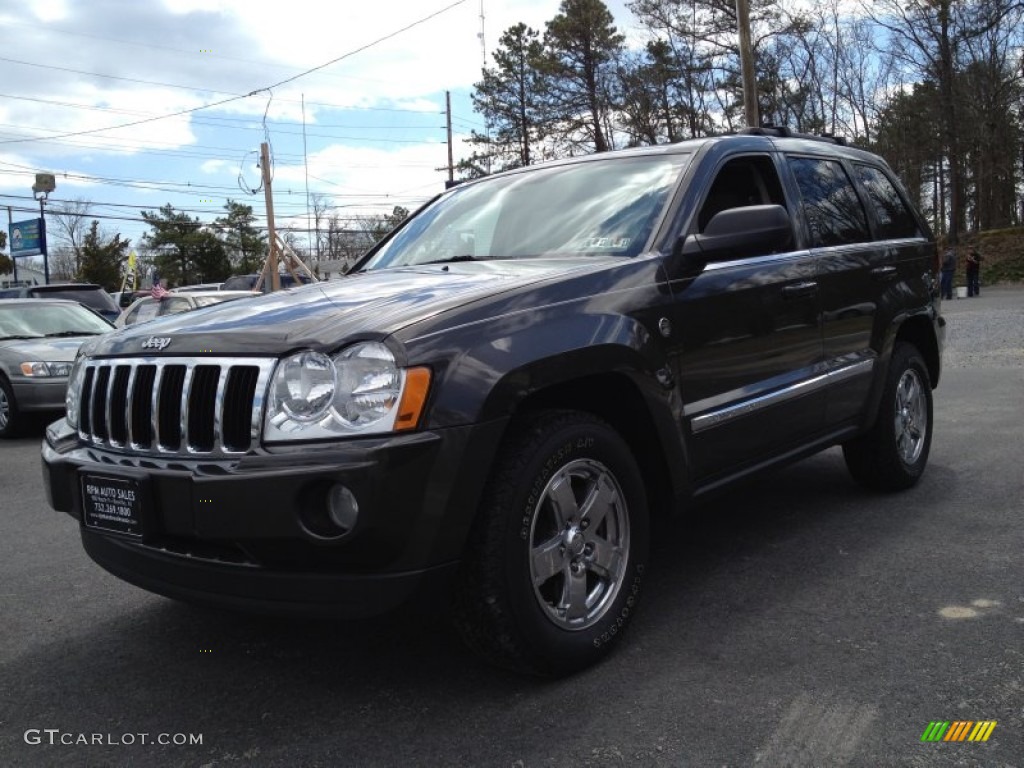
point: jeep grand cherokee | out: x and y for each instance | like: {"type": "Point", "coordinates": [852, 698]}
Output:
{"type": "Point", "coordinates": [504, 391]}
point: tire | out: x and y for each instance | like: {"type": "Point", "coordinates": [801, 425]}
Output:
{"type": "Point", "coordinates": [893, 454]}
{"type": "Point", "coordinates": [10, 418]}
{"type": "Point", "coordinates": [543, 589]}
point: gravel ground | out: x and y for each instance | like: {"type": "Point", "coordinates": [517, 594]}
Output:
{"type": "Point", "coordinates": [986, 331]}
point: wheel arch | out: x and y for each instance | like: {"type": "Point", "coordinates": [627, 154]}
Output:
{"type": "Point", "coordinates": [918, 331]}
{"type": "Point", "coordinates": [617, 399]}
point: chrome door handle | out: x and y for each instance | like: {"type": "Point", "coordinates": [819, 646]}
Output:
{"type": "Point", "coordinates": [799, 290]}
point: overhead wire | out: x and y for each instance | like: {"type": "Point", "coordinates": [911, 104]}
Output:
{"type": "Point", "coordinates": [252, 92]}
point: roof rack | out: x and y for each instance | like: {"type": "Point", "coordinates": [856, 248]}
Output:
{"type": "Point", "coordinates": [787, 133]}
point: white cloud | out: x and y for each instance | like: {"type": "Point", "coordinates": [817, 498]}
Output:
{"type": "Point", "coordinates": [176, 55]}
{"type": "Point", "coordinates": [213, 166]}
{"type": "Point", "coordinates": [49, 10]}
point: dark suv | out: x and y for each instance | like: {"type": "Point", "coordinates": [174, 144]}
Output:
{"type": "Point", "coordinates": [87, 294]}
{"type": "Point", "coordinates": [501, 395]}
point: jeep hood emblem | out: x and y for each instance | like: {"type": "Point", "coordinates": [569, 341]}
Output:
{"type": "Point", "coordinates": [156, 342]}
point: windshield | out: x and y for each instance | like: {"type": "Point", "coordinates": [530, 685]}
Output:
{"type": "Point", "coordinates": [40, 320]}
{"type": "Point", "coordinates": [603, 206]}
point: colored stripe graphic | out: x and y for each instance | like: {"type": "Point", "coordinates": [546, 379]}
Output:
{"type": "Point", "coordinates": [958, 730]}
{"type": "Point", "coordinates": [935, 731]}
{"type": "Point", "coordinates": [982, 730]}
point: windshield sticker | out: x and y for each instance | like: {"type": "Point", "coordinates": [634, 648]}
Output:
{"type": "Point", "coordinates": [606, 243]}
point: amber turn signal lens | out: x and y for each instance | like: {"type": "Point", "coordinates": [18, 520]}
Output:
{"type": "Point", "coordinates": [417, 385]}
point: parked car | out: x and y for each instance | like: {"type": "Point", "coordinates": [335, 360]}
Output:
{"type": "Point", "coordinates": [124, 299]}
{"type": "Point", "coordinates": [197, 287]}
{"type": "Point", "coordinates": [89, 294]}
{"type": "Point", "coordinates": [248, 282]}
{"type": "Point", "coordinates": [148, 308]}
{"type": "Point", "coordinates": [504, 391]}
{"type": "Point", "coordinates": [38, 342]}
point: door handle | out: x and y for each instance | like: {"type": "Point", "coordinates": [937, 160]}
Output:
{"type": "Point", "coordinates": [799, 290]}
{"type": "Point", "coordinates": [883, 273]}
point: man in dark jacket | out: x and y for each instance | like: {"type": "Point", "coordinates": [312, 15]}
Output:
{"type": "Point", "coordinates": [948, 268]}
{"type": "Point", "coordinates": [973, 272]}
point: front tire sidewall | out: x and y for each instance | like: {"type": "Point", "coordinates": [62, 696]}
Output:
{"type": "Point", "coordinates": [563, 650]}
{"type": "Point", "coordinates": [874, 460]}
{"type": "Point", "coordinates": [12, 426]}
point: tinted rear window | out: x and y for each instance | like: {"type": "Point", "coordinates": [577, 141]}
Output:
{"type": "Point", "coordinates": [90, 297]}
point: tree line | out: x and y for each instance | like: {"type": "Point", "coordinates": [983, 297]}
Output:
{"type": "Point", "coordinates": [934, 86]}
{"type": "Point", "coordinates": [185, 250]}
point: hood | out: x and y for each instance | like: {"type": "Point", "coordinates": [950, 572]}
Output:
{"type": "Point", "coordinates": [44, 350]}
{"type": "Point", "coordinates": [371, 304]}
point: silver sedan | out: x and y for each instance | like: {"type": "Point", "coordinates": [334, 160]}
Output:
{"type": "Point", "coordinates": [39, 339]}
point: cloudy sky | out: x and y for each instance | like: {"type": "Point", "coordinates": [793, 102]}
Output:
{"type": "Point", "coordinates": [374, 118]}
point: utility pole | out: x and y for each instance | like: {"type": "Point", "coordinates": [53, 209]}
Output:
{"type": "Point", "coordinates": [451, 164]}
{"type": "Point", "coordinates": [45, 184]}
{"type": "Point", "coordinates": [271, 265]}
{"type": "Point", "coordinates": [14, 260]}
{"type": "Point", "coordinates": [747, 64]}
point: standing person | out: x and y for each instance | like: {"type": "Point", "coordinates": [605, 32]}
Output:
{"type": "Point", "coordinates": [973, 272]}
{"type": "Point", "coordinates": [948, 268]}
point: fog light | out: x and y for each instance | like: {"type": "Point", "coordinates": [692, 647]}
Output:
{"type": "Point", "coordinates": [342, 507]}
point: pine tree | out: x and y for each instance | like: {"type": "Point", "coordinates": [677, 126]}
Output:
{"type": "Point", "coordinates": [510, 98]}
{"type": "Point", "coordinates": [582, 47]}
{"type": "Point", "coordinates": [101, 258]}
{"type": "Point", "coordinates": [186, 250]}
{"type": "Point", "coordinates": [246, 244]}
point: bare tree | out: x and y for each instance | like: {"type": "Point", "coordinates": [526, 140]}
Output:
{"type": "Point", "coordinates": [931, 38]}
{"type": "Point", "coordinates": [321, 206]}
{"type": "Point", "coordinates": [63, 263]}
{"type": "Point", "coordinates": [70, 221]}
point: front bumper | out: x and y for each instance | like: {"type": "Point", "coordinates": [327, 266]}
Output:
{"type": "Point", "coordinates": [40, 394]}
{"type": "Point", "coordinates": [238, 533]}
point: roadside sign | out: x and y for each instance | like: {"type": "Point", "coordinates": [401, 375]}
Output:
{"type": "Point", "coordinates": [27, 238]}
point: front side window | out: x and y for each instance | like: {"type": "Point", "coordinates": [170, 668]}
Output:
{"type": "Point", "coordinates": [831, 206]}
{"type": "Point", "coordinates": [741, 182]}
{"type": "Point", "coordinates": [894, 218]}
{"type": "Point", "coordinates": [170, 305]}
{"type": "Point", "coordinates": [603, 206]}
{"type": "Point", "coordinates": [146, 310]}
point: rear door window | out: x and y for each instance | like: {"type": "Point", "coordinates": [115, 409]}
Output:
{"type": "Point", "coordinates": [894, 219]}
{"type": "Point", "coordinates": [831, 205]}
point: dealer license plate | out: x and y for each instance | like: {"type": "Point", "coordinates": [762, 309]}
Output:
{"type": "Point", "coordinates": [112, 504]}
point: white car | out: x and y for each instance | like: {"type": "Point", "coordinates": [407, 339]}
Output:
{"type": "Point", "coordinates": [149, 308]}
{"type": "Point", "coordinates": [197, 287]}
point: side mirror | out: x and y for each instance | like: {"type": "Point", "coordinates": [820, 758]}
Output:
{"type": "Point", "coordinates": [738, 232]}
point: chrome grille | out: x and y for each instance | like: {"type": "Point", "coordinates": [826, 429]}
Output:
{"type": "Point", "coordinates": [174, 406]}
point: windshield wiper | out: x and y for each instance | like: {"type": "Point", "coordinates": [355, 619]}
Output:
{"type": "Point", "coordinates": [71, 333]}
{"type": "Point", "coordinates": [449, 260]}
{"type": "Point", "coordinates": [8, 338]}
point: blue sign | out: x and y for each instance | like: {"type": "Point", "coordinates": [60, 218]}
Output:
{"type": "Point", "coordinates": [27, 238]}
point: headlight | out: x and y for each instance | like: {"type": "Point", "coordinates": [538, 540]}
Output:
{"type": "Point", "coordinates": [74, 394]}
{"type": "Point", "coordinates": [43, 370]}
{"type": "Point", "coordinates": [359, 390]}
{"type": "Point", "coordinates": [369, 384]}
{"type": "Point", "coordinates": [304, 387]}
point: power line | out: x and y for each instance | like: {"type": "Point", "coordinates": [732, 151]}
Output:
{"type": "Point", "coordinates": [251, 93]}
{"type": "Point", "coordinates": [206, 55]}
{"type": "Point", "coordinates": [215, 119]}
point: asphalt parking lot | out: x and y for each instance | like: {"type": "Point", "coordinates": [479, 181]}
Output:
{"type": "Point", "coordinates": [798, 621]}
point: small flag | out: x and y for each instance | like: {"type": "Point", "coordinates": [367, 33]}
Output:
{"type": "Point", "coordinates": [158, 291]}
